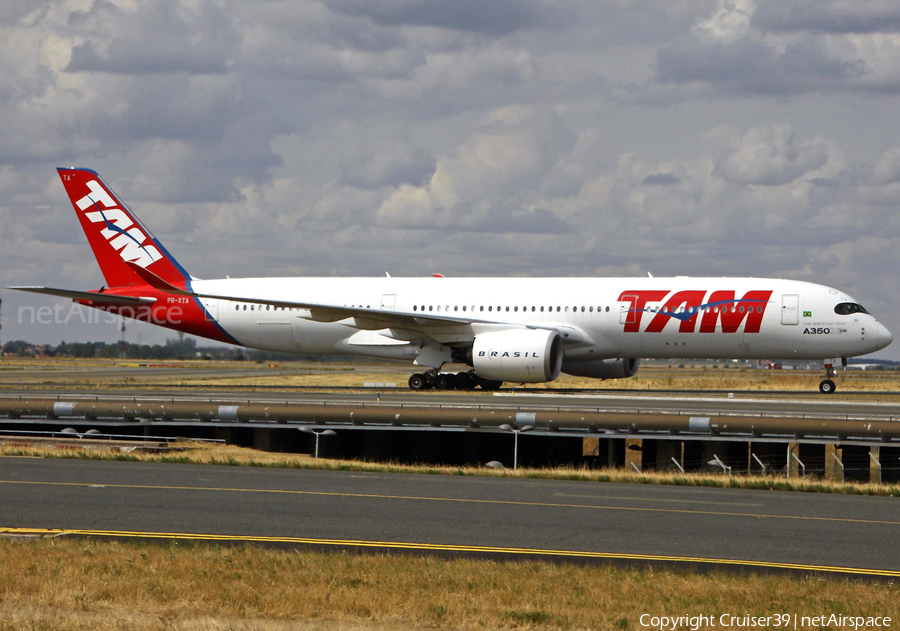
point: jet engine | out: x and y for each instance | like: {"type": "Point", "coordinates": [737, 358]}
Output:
{"type": "Point", "coordinates": [604, 368]}
{"type": "Point", "coordinates": [518, 355]}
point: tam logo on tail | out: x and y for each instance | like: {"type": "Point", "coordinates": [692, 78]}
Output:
{"type": "Point", "coordinates": [130, 242]}
{"type": "Point", "coordinates": [116, 235]}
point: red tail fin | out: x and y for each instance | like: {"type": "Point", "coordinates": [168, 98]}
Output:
{"type": "Point", "coordinates": [115, 233]}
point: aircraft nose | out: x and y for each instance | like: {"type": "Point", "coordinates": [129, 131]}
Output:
{"type": "Point", "coordinates": [881, 336]}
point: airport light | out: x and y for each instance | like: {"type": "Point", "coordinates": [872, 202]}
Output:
{"type": "Point", "coordinates": [516, 431]}
{"type": "Point", "coordinates": [718, 463]}
{"type": "Point", "coordinates": [840, 464]}
{"type": "Point", "coordinates": [324, 432]}
{"type": "Point", "coordinates": [761, 463]}
{"type": "Point", "coordinates": [799, 462]}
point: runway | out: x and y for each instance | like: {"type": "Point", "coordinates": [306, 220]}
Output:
{"type": "Point", "coordinates": [503, 517]}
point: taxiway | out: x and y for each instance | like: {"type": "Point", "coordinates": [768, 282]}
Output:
{"type": "Point", "coordinates": [499, 516]}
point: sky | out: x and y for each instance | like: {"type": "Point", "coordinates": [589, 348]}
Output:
{"type": "Point", "coordinates": [469, 138]}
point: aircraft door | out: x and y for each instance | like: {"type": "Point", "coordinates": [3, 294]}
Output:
{"type": "Point", "coordinates": [211, 309]}
{"type": "Point", "coordinates": [790, 309]}
{"type": "Point", "coordinates": [627, 314]}
{"type": "Point", "coordinates": [388, 302]}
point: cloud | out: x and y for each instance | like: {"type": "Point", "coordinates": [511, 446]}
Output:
{"type": "Point", "coordinates": [392, 163]}
{"type": "Point", "coordinates": [466, 186]}
{"type": "Point", "coordinates": [769, 156]}
{"type": "Point", "coordinates": [778, 48]}
{"type": "Point", "coordinates": [887, 169]}
{"type": "Point", "coordinates": [500, 17]}
{"type": "Point", "coordinates": [829, 16]}
{"type": "Point", "coordinates": [157, 37]}
{"type": "Point", "coordinates": [729, 23]}
{"type": "Point", "coordinates": [660, 179]}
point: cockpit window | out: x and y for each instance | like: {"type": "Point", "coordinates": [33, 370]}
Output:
{"type": "Point", "coordinates": [846, 308]}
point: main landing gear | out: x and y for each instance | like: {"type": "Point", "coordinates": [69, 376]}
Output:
{"type": "Point", "coordinates": [434, 380]}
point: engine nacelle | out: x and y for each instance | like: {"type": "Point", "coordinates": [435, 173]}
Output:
{"type": "Point", "coordinates": [604, 368]}
{"type": "Point", "coordinates": [518, 355]}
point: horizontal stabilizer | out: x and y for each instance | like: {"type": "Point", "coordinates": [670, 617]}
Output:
{"type": "Point", "coordinates": [109, 299]}
{"type": "Point", "coordinates": [155, 281]}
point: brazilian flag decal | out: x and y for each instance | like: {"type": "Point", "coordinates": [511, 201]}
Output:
{"type": "Point", "coordinates": [807, 314]}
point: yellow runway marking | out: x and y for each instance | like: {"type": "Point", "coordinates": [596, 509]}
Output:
{"type": "Point", "coordinates": [434, 547]}
{"type": "Point", "coordinates": [630, 498]}
{"type": "Point", "coordinates": [417, 498]}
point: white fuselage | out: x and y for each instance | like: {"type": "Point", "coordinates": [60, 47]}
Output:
{"type": "Point", "coordinates": [598, 318]}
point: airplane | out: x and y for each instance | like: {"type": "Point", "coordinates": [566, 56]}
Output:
{"type": "Point", "coordinates": [520, 330]}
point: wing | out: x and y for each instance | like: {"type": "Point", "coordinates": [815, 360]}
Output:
{"type": "Point", "coordinates": [364, 318]}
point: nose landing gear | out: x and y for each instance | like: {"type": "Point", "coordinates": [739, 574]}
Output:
{"type": "Point", "coordinates": [826, 386]}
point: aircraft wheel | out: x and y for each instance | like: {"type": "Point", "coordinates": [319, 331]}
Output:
{"type": "Point", "coordinates": [418, 382]}
{"type": "Point", "coordinates": [827, 386]}
{"type": "Point", "coordinates": [442, 382]}
{"type": "Point", "coordinates": [465, 381]}
{"type": "Point", "coordinates": [490, 384]}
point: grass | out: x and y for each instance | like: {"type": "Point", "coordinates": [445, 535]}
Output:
{"type": "Point", "coordinates": [189, 452]}
{"type": "Point", "coordinates": [686, 376]}
{"type": "Point", "coordinates": [77, 585]}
